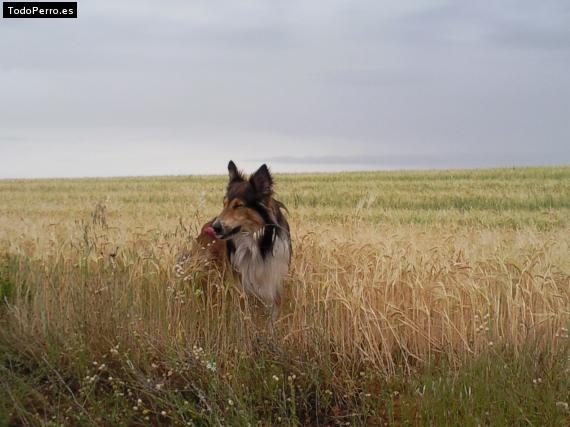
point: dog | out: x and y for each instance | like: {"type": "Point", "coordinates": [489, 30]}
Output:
{"type": "Point", "coordinates": [251, 236]}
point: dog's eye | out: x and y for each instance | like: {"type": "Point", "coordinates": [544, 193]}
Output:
{"type": "Point", "coordinates": [238, 205]}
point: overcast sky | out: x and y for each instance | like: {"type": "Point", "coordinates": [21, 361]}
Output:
{"type": "Point", "coordinates": [180, 87]}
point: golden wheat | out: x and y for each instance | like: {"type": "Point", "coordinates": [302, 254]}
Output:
{"type": "Point", "coordinates": [370, 286]}
{"type": "Point", "coordinates": [375, 291]}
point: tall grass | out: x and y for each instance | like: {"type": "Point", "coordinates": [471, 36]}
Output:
{"type": "Point", "coordinates": [399, 281]}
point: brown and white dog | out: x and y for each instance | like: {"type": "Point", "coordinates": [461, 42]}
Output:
{"type": "Point", "coordinates": [251, 234]}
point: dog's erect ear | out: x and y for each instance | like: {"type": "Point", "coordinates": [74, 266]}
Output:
{"type": "Point", "coordinates": [262, 181]}
{"type": "Point", "coordinates": [235, 175]}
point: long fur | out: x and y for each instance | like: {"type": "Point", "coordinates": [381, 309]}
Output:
{"type": "Point", "coordinates": [262, 265]}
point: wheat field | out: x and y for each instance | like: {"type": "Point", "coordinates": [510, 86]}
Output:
{"type": "Point", "coordinates": [414, 298]}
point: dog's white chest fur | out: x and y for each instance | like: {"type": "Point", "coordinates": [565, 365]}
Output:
{"type": "Point", "coordinates": [261, 276]}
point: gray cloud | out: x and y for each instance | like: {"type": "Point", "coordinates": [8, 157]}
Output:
{"type": "Point", "coordinates": [193, 83]}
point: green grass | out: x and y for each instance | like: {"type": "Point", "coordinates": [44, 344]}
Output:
{"type": "Point", "coordinates": [498, 388]}
{"type": "Point", "coordinates": [514, 197]}
{"type": "Point", "coordinates": [6, 286]}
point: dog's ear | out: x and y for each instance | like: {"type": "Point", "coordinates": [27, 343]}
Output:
{"type": "Point", "coordinates": [262, 181]}
{"type": "Point", "coordinates": [235, 175]}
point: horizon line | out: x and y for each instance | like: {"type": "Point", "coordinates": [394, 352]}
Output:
{"type": "Point", "coordinates": [350, 171]}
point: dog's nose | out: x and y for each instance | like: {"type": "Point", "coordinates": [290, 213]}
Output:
{"type": "Point", "coordinates": [217, 226]}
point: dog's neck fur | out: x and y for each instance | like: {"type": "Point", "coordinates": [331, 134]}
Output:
{"type": "Point", "coordinates": [262, 268]}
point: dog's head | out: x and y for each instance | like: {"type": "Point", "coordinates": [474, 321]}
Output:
{"type": "Point", "coordinates": [247, 203]}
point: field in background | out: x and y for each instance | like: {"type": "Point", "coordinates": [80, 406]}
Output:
{"type": "Point", "coordinates": [414, 297]}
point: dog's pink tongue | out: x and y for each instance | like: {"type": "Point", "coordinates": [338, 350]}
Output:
{"type": "Point", "coordinates": [209, 231]}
